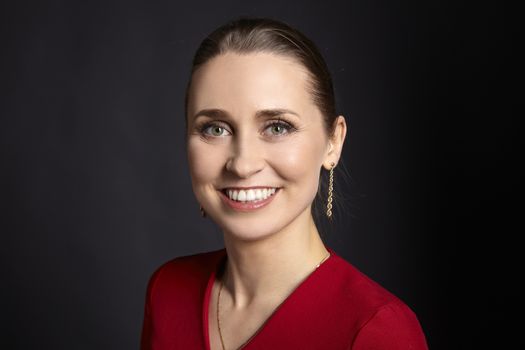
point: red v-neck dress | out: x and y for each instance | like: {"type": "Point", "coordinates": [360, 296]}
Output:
{"type": "Point", "coordinates": [335, 307]}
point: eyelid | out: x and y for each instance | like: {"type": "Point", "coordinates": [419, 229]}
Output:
{"type": "Point", "coordinates": [289, 126]}
{"type": "Point", "coordinates": [277, 120]}
{"type": "Point", "coordinates": [205, 125]}
{"type": "Point", "coordinates": [283, 122]}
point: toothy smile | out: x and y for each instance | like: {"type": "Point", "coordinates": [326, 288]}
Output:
{"type": "Point", "coordinates": [249, 195]}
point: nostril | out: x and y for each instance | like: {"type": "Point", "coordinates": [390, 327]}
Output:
{"type": "Point", "coordinates": [244, 166]}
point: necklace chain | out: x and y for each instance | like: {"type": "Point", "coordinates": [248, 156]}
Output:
{"type": "Point", "coordinates": [219, 298]}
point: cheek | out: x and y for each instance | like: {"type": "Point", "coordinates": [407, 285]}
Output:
{"type": "Point", "coordinates": [205, 161]}
{"type": "Point", "coordinates": [300, 161]}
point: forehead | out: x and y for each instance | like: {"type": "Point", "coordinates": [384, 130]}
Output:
{"type": "Point", "coordinates": [240, 82]}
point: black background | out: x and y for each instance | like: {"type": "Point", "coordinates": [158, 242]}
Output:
{"type": "Point", "coordinates": [95, 190]}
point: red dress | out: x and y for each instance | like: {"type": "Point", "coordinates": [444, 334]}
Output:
{"type": "Point", "coordinates": [335, 307]}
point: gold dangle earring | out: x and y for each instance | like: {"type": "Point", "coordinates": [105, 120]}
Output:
{"type": "Point", "coordinates": [203, 213]}
{"type": "Point", "coordinates": [330, 192]}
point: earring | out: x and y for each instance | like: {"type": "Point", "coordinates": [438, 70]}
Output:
{"type": "Point", "coordinates": [203, 213]}
{"type": "Point", "coordinates": [330, 192]}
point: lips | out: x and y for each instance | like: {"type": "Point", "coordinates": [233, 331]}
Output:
{"type": "Point", "coordinates": [249, 194]}
{"type": "Point", "coordinates": [252, 198]}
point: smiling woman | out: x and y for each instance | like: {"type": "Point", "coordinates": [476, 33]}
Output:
{"type": "Point", "coordinates": [256, 125]}
{"type": "Point", "coordinates": [261, 126]}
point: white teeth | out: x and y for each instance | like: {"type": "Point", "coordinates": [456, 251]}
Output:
{"type": "Point", "coordinates": [251, 194]}
{"type": "Point", "coordinates": [242, 196]}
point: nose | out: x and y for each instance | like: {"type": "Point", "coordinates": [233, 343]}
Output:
{"type": "Point", "coordinates": [246, 159]}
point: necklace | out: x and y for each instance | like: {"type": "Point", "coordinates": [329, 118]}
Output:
{"type": "Point", "coordinates": [218, 307]}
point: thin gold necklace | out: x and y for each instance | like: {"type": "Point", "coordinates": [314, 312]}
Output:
{"type": "Point", "coordinates": [219, 298]}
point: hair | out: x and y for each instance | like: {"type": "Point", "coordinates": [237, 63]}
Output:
{"type": "Point", "coordinates": [263, 35]}
{"type": "Point", "coordinates": [247, 35]}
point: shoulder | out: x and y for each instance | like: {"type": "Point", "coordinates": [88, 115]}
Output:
{"type": "Point", "coordinates": [190, 264]}
{"type": "Point", "coordinates": [383, 321]}
{"type": "Point", "coordinates": [392, 326]}
{"type": "Point", "coordinates": [357, 288]}
{"type": "Point", "coordinates": [187, 270]}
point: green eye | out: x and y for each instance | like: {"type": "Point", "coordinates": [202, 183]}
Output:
{"type": "Point", "coordinates": [214, 130]}
{"type": "Point", "coordinates": [279, 128]}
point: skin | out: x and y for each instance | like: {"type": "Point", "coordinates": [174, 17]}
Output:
{"type": "Point", "coordinates": [273, 249]}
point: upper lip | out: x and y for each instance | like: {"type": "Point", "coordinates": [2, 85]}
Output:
{"type": "Point", "coordinates": [247, 188]}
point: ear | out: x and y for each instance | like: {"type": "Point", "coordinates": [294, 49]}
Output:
{"type": "Point", "coordinates": [335, 142]}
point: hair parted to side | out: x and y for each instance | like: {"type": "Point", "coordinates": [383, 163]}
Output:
{"type": "Point", "coordinates": [247, 35]}
{"type": "Point", "coordinates": [252, 35]}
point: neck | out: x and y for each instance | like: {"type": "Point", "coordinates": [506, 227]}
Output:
{"type": "Point", "coordinates": [271, 268]}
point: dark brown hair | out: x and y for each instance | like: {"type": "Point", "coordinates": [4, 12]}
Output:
{"type": "Point", "coordinates": [251, 35]}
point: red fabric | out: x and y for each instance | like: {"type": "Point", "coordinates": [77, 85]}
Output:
{"type": "Point", "coordinates": [335, 307]}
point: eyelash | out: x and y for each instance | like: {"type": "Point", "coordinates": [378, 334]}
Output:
{"type": "Point", "coordinates": [279, 122]}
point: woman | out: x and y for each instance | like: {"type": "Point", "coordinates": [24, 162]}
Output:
{"type": "Point", "coordinates": [261, 125]}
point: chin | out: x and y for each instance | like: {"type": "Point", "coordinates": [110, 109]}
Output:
{"type": "Point", "coordinates": [260, 224]}
{"type": "Point", "coordinates": [260, 227]}
{"type": "Point", "coordinates": [248, 231]}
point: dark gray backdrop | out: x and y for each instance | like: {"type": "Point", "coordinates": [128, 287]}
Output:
{"type": "Point", "coordinates": [96, 192]}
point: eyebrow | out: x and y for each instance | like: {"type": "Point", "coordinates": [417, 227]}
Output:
{"type": "Point", "coordinates": [217, 112]}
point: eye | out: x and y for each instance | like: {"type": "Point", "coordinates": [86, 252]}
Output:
{"type": "Point", "coordinates": [279, 128]}
{"type": "Point", "coordinates": [214, 130]}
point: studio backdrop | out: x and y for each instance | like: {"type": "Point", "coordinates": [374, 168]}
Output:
{"type": "Point", "coordinates": [95, 188]}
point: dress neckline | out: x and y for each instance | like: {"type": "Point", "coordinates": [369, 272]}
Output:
{"type": "Point", "coordinates": [219, 264]}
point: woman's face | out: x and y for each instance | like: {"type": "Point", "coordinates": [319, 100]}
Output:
{"type": "Point", "coordinates": [253, 129]}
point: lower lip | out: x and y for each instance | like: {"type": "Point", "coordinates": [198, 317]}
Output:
{"type": "Point", "coordinates": [247, 206]}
